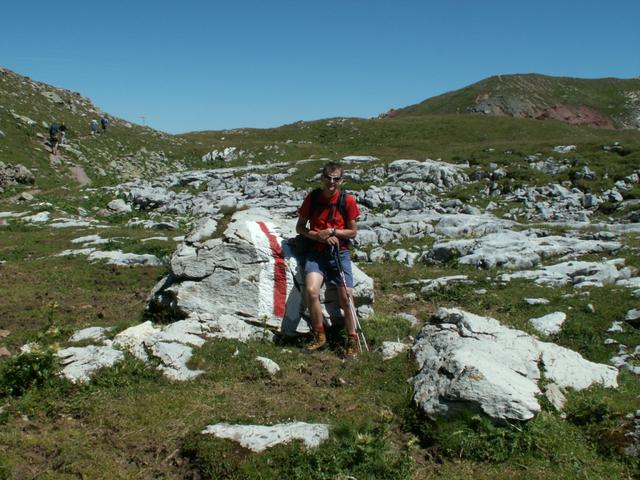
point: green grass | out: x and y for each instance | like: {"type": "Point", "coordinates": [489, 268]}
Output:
{"type": "Point", "coordinates": [131, 422]}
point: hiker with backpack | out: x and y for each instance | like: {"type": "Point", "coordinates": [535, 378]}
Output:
{"type": "Point", "coordinates": [327, 218]}
{"type": "Point", "coordinates": [104, 122]}
{"type": "Point", "coordinates": [54, 136]}
{"type": "Point", "coordinates": [63, 133]}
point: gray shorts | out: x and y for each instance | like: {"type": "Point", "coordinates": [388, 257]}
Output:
{"type": "Point", "coordinates": [325, 264]}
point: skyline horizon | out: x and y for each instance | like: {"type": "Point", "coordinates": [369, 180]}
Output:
{"type": "Point", "coordinates": [311, 119]}
{"type": "Point", "coordinates": [250, 64]}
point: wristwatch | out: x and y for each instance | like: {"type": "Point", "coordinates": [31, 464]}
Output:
{"type": "Point", "coordinates": [333, 232]}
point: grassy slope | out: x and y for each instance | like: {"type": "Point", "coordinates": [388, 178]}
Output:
{"type": "Point", "coordinates": [131, 423]}
{"type": "Point", "coordinates": [604, 95]}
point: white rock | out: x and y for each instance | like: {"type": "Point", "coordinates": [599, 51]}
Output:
{"type": "Point", "coordinates": [564, 148]}
{"type": "Point", "coordinates": [91, 333]}
{"type": "Point", "coordinates": [269, 365]}
{"type": "Point", "coordinates": [135, 335]}
{"type": "Point", "coordinates": [258, 438]}
{"type": "Point", "coordinates": [38, 217]}
{"type": "Point", "coordinates": [81, 362]}
{"type": "Point", "coordinates": [119, 206]}
{"type": "Point", "coordinates": [468, 361]}
{"type": "Point", "coordinates": [549, 324]}
{"type": "Point", "coordinates": [555, 396]}
{"type": "Point", "coordinates": [392, 349]}
{"type": "Point", "coordinates": [536, 301]}
{"type": "Point", "coordinates": [117, 257]}
{"type": "Point", "coordinates": [616, 327]}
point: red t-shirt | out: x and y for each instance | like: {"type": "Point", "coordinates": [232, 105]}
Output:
{"type": "Point", "coordinates": [320, 216]}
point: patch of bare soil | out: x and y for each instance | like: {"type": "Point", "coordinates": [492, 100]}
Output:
{"type": "Point", "coordinates": [78, 173]}
{"type": "Point", "coordinates": [576, 115]}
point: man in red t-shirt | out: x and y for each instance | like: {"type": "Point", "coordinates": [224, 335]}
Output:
{"type": "Point", "coordinates": [330, 226]}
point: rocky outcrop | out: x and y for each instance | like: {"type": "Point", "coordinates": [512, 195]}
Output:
{"type": "Point", "coordinates": [15, 174]}
{"type": "Point", "coordinates": [469, 362]}
{"type": "Point", "coordinates": [576, 115]}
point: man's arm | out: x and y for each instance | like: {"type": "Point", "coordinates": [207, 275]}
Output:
{"type": "Point", "coordinates": [347, 233]}
{"type": "Point", "coordinates": [322, 236]}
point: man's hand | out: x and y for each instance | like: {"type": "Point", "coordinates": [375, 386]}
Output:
{"type": "Point", "coordinates": [325, 235]}
{"type": "Point", "coordinates": [333, 241]}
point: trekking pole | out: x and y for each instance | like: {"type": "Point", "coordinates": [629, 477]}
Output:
{"type": "Point", "coordinates": [352, 308]}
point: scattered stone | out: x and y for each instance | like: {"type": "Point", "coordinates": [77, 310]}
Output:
{"type": "Point", "coordinates": [549, 324]}
{"type": "Point", "coordinates": [119, 206]}
{"type": "Point", "coordinates": [92, 240]}
{"type": "Point", "coordinates": [258, 438]}
{"type": "Point", "coordinates": [4, 352]}
{"type": "Point", "coordinates": [359, 159]}
{"type": "Point", "coordinates": [24, 197]}
{"type": "Point", "coordinates": [554, 394]}
{"type": "Point", "coordinates": [616, 327]}
{"type": "Point", "coordinates": [81, 362]}
{"type": "Point", "coordinates": [431, 285]}
{"type": "Point", "coordinates": [91, 333]}
{"type": "Point", "coordinates": [627, 360]}
{"type": "Point", "coordinates": [536, 301]}
{"type": "Point", "coordinates": [203, 229]}
{"type": "Point", "coordinates": [269, 365]}
{"type": "Point", "coordinates": [37, 218]}
{"type": "Point", "coordinates": [515, 249]}
{"type": "Point", "coordinates": [633, 317]}
{"type": "Point", "coordinates": [412, 319]}
{"type": "Point", "coordinates": [392, 349]}
{"type": "Point", "coordinates": [564, 148]}
{"type": "Point", "coordinates": [576, 273]}
{"type": "Point", "coordinates": [115, 257]}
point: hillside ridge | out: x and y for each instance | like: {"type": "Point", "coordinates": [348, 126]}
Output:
{"type": "Point", "coordinates": [601, 103]}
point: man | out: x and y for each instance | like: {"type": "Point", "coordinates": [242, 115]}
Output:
{"type": "Point", "coordinates": [331, 225]}
{"type": "Point", "coordinates": [54, 136]}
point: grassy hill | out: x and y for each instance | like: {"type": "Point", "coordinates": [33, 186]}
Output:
{"type": "Point", "coordinates": [27, 108]}
{"type": "Point", "coordinates": [432, 129]}
{"type": "Point", "coordinates": [132, 422]}
{"type": "Point", "coordinates": [533, 96]}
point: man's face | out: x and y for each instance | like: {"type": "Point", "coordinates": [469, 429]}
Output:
{"type": "Point", "coordinates": [331, 180]}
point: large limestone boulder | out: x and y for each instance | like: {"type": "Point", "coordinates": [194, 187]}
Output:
{"type": "Point", "coordinates": [469, 362]}
{"type": "Point", "coordinates": [251, 275]}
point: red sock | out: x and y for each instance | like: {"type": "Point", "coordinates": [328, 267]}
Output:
{"type": "Point", "coordinates": [319, 329]}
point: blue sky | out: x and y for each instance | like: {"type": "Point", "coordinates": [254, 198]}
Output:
{"type": "Point", "coordinates": [208, 65]}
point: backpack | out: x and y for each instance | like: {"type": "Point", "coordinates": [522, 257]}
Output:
{"type": "Point", "coordinates": [53, 129]}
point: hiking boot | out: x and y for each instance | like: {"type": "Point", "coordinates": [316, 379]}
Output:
{"type": "Point", "coordinates": [352, 349]}
{"type": "Point", "coordinates": [318, 343]}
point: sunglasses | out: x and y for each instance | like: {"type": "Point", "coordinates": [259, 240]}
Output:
{"type": "Point", "coordinates": [329, 178]}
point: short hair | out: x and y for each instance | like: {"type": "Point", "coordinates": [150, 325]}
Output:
{"type": "Point", "coordinates": [331, 167]}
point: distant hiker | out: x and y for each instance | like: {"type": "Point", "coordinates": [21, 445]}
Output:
{"type": "Point", "coordinates": [104, 122]}
{"type": "Point", "coordinates": [331, 215]}
{"type": "Point", "coordinates": [54, 137]}
{"type": "Point", "coordinates": [94, 126]}
{"type": "Point", "coordinates": [63, 133]}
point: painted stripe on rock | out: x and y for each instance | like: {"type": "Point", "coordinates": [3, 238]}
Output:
{"type": "Point", "coordinates": [279, 272]}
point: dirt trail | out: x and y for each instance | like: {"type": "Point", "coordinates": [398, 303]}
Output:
{"type": "Point", "coordinates": [80, 175]}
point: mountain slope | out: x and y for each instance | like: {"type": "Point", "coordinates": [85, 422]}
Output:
{"type": "Point", "coordinates": [27, 107]}
{"type": "Point", "coordinates": [605, 103]}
